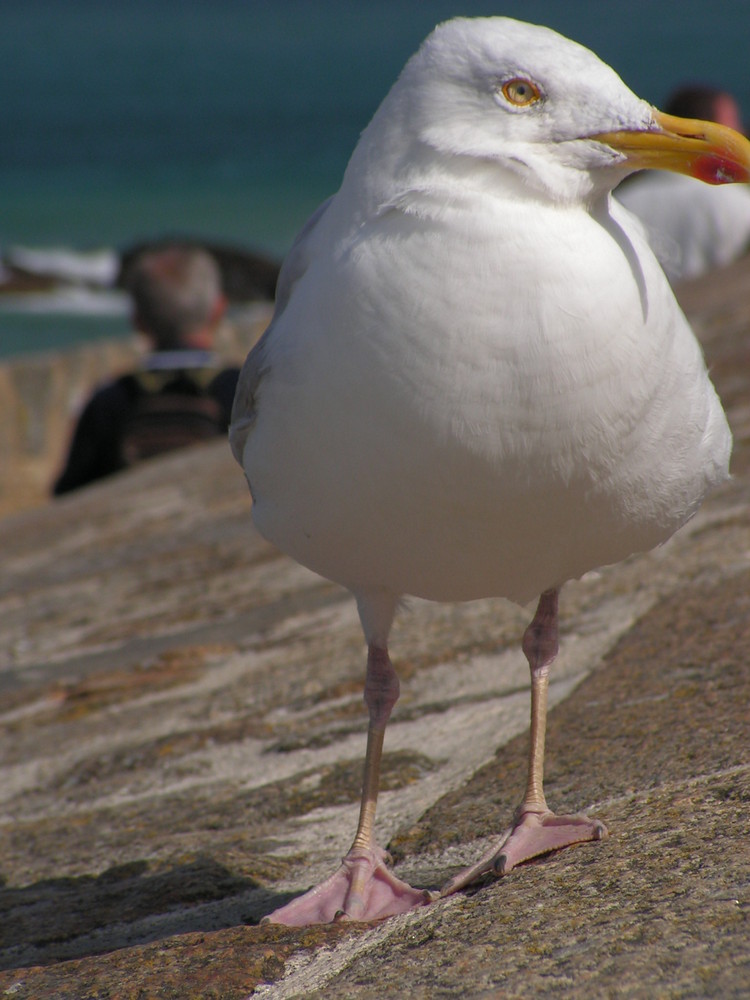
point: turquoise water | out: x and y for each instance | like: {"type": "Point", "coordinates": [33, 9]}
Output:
{"type": "Point", "coordinates": [233, 119]}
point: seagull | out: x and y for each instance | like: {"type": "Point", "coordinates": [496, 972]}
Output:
{"type": "Point", "coordinates": [477, 381]}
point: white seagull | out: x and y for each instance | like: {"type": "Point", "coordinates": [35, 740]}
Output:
{"type": "Point", "coordinates": [477, 381]}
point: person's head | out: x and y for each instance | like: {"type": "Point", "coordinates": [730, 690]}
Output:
{"type": "Point", "coordinates": [177, 297]}
{"type": "Point", "coordinates": [707, 103]}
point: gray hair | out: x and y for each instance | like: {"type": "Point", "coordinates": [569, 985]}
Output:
{"type": "Point", "coordinates": [175, 291]}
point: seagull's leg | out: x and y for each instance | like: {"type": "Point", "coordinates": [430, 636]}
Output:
{"type": "Point", "coordinates": [536, 829]}
{"type": "Point", "coordinates": [363, 888]}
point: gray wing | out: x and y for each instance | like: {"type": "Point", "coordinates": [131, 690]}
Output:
{"type": "Point", "coordinates": [256, 364]}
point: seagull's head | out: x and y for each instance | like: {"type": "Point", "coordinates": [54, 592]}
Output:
{"type": "Point", "coordinates": [535, 103]}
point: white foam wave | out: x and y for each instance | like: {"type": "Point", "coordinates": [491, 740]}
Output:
{"type": "Point", "coordinates": [96, 267]}
{"type": "Point", "coordinates": [68, 299]}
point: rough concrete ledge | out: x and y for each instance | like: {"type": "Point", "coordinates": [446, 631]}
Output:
{"type": "Point", "coordinates": [182, 730]}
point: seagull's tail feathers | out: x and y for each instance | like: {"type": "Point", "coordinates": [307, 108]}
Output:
{"type": "Point", "coordinates": [244, 408]}
{"type": "Point", "coordinates": [256, 365]}
{"type": "Point", "coordinates": [238, 433]}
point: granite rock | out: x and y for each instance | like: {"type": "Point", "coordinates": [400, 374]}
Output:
{"type": "Point", "coordinates": [182, 731]}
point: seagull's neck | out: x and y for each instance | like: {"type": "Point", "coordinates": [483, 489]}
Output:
{"type": "Point", "coordinates": [413, 176]}
{"type": "Point", "coordinates": [480, 190]}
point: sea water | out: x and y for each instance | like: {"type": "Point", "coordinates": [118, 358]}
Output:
{"type": "Point", "coordinates": [123, 120]}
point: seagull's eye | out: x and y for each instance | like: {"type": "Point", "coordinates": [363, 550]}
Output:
{"type": "Point", "coordinates": [520, 92]}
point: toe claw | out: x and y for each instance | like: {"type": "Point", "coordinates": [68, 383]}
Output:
{"type": "Point", "coordinates": [499, 864]}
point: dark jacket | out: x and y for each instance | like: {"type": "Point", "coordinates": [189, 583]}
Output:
{"type": "Point", "coordinates": [96, 449]}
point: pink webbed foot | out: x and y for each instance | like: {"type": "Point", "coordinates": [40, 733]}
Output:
{"type": "Point", "coordinates": [363, 888]}
{"type": "Point", "coordinates": [533, 833]}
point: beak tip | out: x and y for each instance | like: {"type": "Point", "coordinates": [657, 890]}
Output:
{"type": "Point", "coordinates": [717, 169]}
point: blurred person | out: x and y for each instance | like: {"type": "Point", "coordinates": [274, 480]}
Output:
{"type": "Point", "coordinates": [691, 226]}
{"type": "Point", "coordinates": [179, 395]}
{"type": "Point", "coordinates": [706, 103]}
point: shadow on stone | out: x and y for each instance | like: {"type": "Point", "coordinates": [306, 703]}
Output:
{"type": "Point", "coordinates": [63, 918]}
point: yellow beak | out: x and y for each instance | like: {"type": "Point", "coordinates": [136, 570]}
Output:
{"type": "Point", "coordinates": [711, 152]}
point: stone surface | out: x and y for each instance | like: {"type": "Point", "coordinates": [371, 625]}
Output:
{"type": "Point", "coordinates": [182, 732]}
